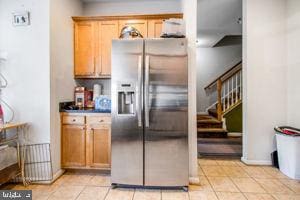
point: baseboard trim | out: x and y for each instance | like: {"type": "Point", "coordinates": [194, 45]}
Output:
{"type": "Point", "coordinates": [234, 134]}
{"type": "Point", "coordinates": [58, 174]}
{"type": "Point", "coordinates": [256, 162]}
{"type": "Point", "coordinates": [194, 180]}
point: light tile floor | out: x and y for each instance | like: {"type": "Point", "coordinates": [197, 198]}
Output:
{"type": "Point", "coordinates": [219, 179]}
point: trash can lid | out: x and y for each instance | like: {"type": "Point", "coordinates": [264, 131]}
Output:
{"type": "Point", "coordinates": [287, 130]}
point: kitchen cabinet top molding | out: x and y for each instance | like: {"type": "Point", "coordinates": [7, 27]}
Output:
{"type": "Point", "coordinates": [127, 17]}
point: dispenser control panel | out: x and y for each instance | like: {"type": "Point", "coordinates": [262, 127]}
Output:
{"type": "Point", "coordinates": [126, 99]}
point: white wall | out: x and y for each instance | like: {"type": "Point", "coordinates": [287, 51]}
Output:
{"type": "Point", "coordinates": [132, 7]}
{"type": "Point", "coordinates": [190, 17]}
{"type": "Point", "coordinates": [265, 76]}
{"type": "Point", "coordinates": [211, 63]}
{"type": "Point", "coordinates": [27, 68]}
{"type": "Point", "coordinates": [62, 65]}
{"type": "Point", "coordinates": [293, 61]}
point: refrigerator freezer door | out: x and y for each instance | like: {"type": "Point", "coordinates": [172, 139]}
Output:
{"type": "Point", "coordinates": [127, 130]}
{"type": "Point", "coordinates": [166, 104]}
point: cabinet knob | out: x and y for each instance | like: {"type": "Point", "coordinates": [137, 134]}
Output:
{"type": "Point", "coordinates": [74, 120]}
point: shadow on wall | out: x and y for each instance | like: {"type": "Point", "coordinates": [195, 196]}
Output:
{"type": "Point", "coordinates": [234, 119]}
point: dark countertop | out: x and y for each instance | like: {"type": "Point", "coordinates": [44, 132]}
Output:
{"type": "Point", "coordinates": [85, 110]}
{"type": "Point", "coordinates": [67, 107]}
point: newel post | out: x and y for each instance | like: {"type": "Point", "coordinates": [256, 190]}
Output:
{"type": "Point", "coordinates": [219, 106]}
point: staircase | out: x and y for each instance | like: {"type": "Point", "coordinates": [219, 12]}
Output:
{"type": "Point", "coordinates": [228, 87]}
{"type": "Point", "coordinates": [209, 126]}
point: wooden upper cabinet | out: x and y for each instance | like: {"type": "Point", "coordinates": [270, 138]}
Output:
{"type": "Point", "coordinates": [140, 25]}
{"type": "Point", "coordinates": [84, 48]}
{"type": "Point", "coordinates": [73, 146]}
{"type": "Point", "coordinates": [93, 39]}
{"type": "Point", "coordinates": [155, 28]}
{"type": "Point", "coordinates": [107, 31]}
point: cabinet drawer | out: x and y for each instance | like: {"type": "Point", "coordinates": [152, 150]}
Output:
{"type": "Point", "coordinates": [98, 120]}
{"type": "Point", "coordinates": [73, 120]}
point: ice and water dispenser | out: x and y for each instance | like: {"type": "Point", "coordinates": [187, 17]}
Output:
{"type": "Point", "coordinates": [126, 99]}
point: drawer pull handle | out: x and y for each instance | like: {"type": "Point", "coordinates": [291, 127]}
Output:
{"type": "Point", "coordinates": [101, 120]}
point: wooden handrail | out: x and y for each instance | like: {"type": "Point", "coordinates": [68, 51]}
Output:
{"type": "Point", "coordinates": [225, 74]}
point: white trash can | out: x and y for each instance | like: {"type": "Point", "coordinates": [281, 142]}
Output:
{"type": "Point", "coordinates": [288, 147]}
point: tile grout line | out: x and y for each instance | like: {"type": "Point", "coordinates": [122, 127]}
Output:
{"type": "Point", "coordinates": [109, 188]}
{"type": "Point", "coordinates": [280, 180]}
{"type": "Point", "coordinates": [254, 179]}
{"type": "Point", "coordinates": [272, 194]}
{"type": "Point", "coordinates": [134, 190]}
{"type": "Point", "coordinates": [230, 178]}
{"type": "Point", "coordinates": [80, 192]}
{"type": "Point", "coordinates": [52, 192]}
{"type": "Point", "coordinates": [238, 188]}
{"type": "Point", "coordinates": [213, 190]}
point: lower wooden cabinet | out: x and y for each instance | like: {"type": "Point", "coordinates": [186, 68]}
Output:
{"type": "Point", "coordinates": [87, 144]}
{"type": "Point", "coordinates": [73, 145]}
{"type": "Point", "coordinates": [98, 146]}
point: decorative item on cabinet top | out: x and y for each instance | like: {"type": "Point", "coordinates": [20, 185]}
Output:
{"type": "Point", "coordinates": [93, 36]}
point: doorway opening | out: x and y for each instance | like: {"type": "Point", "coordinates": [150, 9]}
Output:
{"type": "Point", "coordinates": [219, 78]}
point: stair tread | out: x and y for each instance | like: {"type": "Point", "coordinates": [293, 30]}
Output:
{"type": "Point", "coordinates": [209, 121]}
{"type": "Point", "coordinates": [204, 116]}
{"type": "Point", "coordinates": [214, 130]}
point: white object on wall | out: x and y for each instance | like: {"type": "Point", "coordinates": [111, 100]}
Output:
{"type": "Point", "coordinates": [21, 18]}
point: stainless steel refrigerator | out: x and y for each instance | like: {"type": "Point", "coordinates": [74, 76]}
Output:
{"type": "Point", "coordinates": [149, 112]}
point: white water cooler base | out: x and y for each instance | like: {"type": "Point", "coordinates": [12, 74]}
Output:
{"type": "Point", "coordinates": [289, 155]}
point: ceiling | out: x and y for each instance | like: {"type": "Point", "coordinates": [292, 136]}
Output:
{"type": "Point", "coordinates": [96, 0]}
{"type": "Point", "coordinates": [217, 19]}
{"type": "Point", "coordinates": [89, 1]}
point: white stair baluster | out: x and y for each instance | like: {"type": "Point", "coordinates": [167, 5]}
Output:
{"type": "Point", "coordinates": [231, 102]}
{"type": "Point", "coordinates": [228, 91]}
{"type": "Point", "coordinates": [236, 88]}
{"type": "Point", "coordinates": [241, 85]}
{"type": "Point", "coordinates": [223, 97]}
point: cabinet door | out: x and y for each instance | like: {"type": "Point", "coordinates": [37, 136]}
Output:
{"type": "Point", "coordinates": [155, 28]}
{"type": "Point", "coordinates": [73, 146]}
{"type": "Point", "coordinates": [84, 39]}
{"type": "Point", "coordinates": [98, 144]}
{"type": "Point", "coordinates": [107, 31]}
{"type": "Point", "coordinates": [140, 25]}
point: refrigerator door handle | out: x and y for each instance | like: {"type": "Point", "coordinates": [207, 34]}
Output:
{"type": "Point", "coordinates": [139, 92]}
{"type": "Point", "coordinates": [147, 66]}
